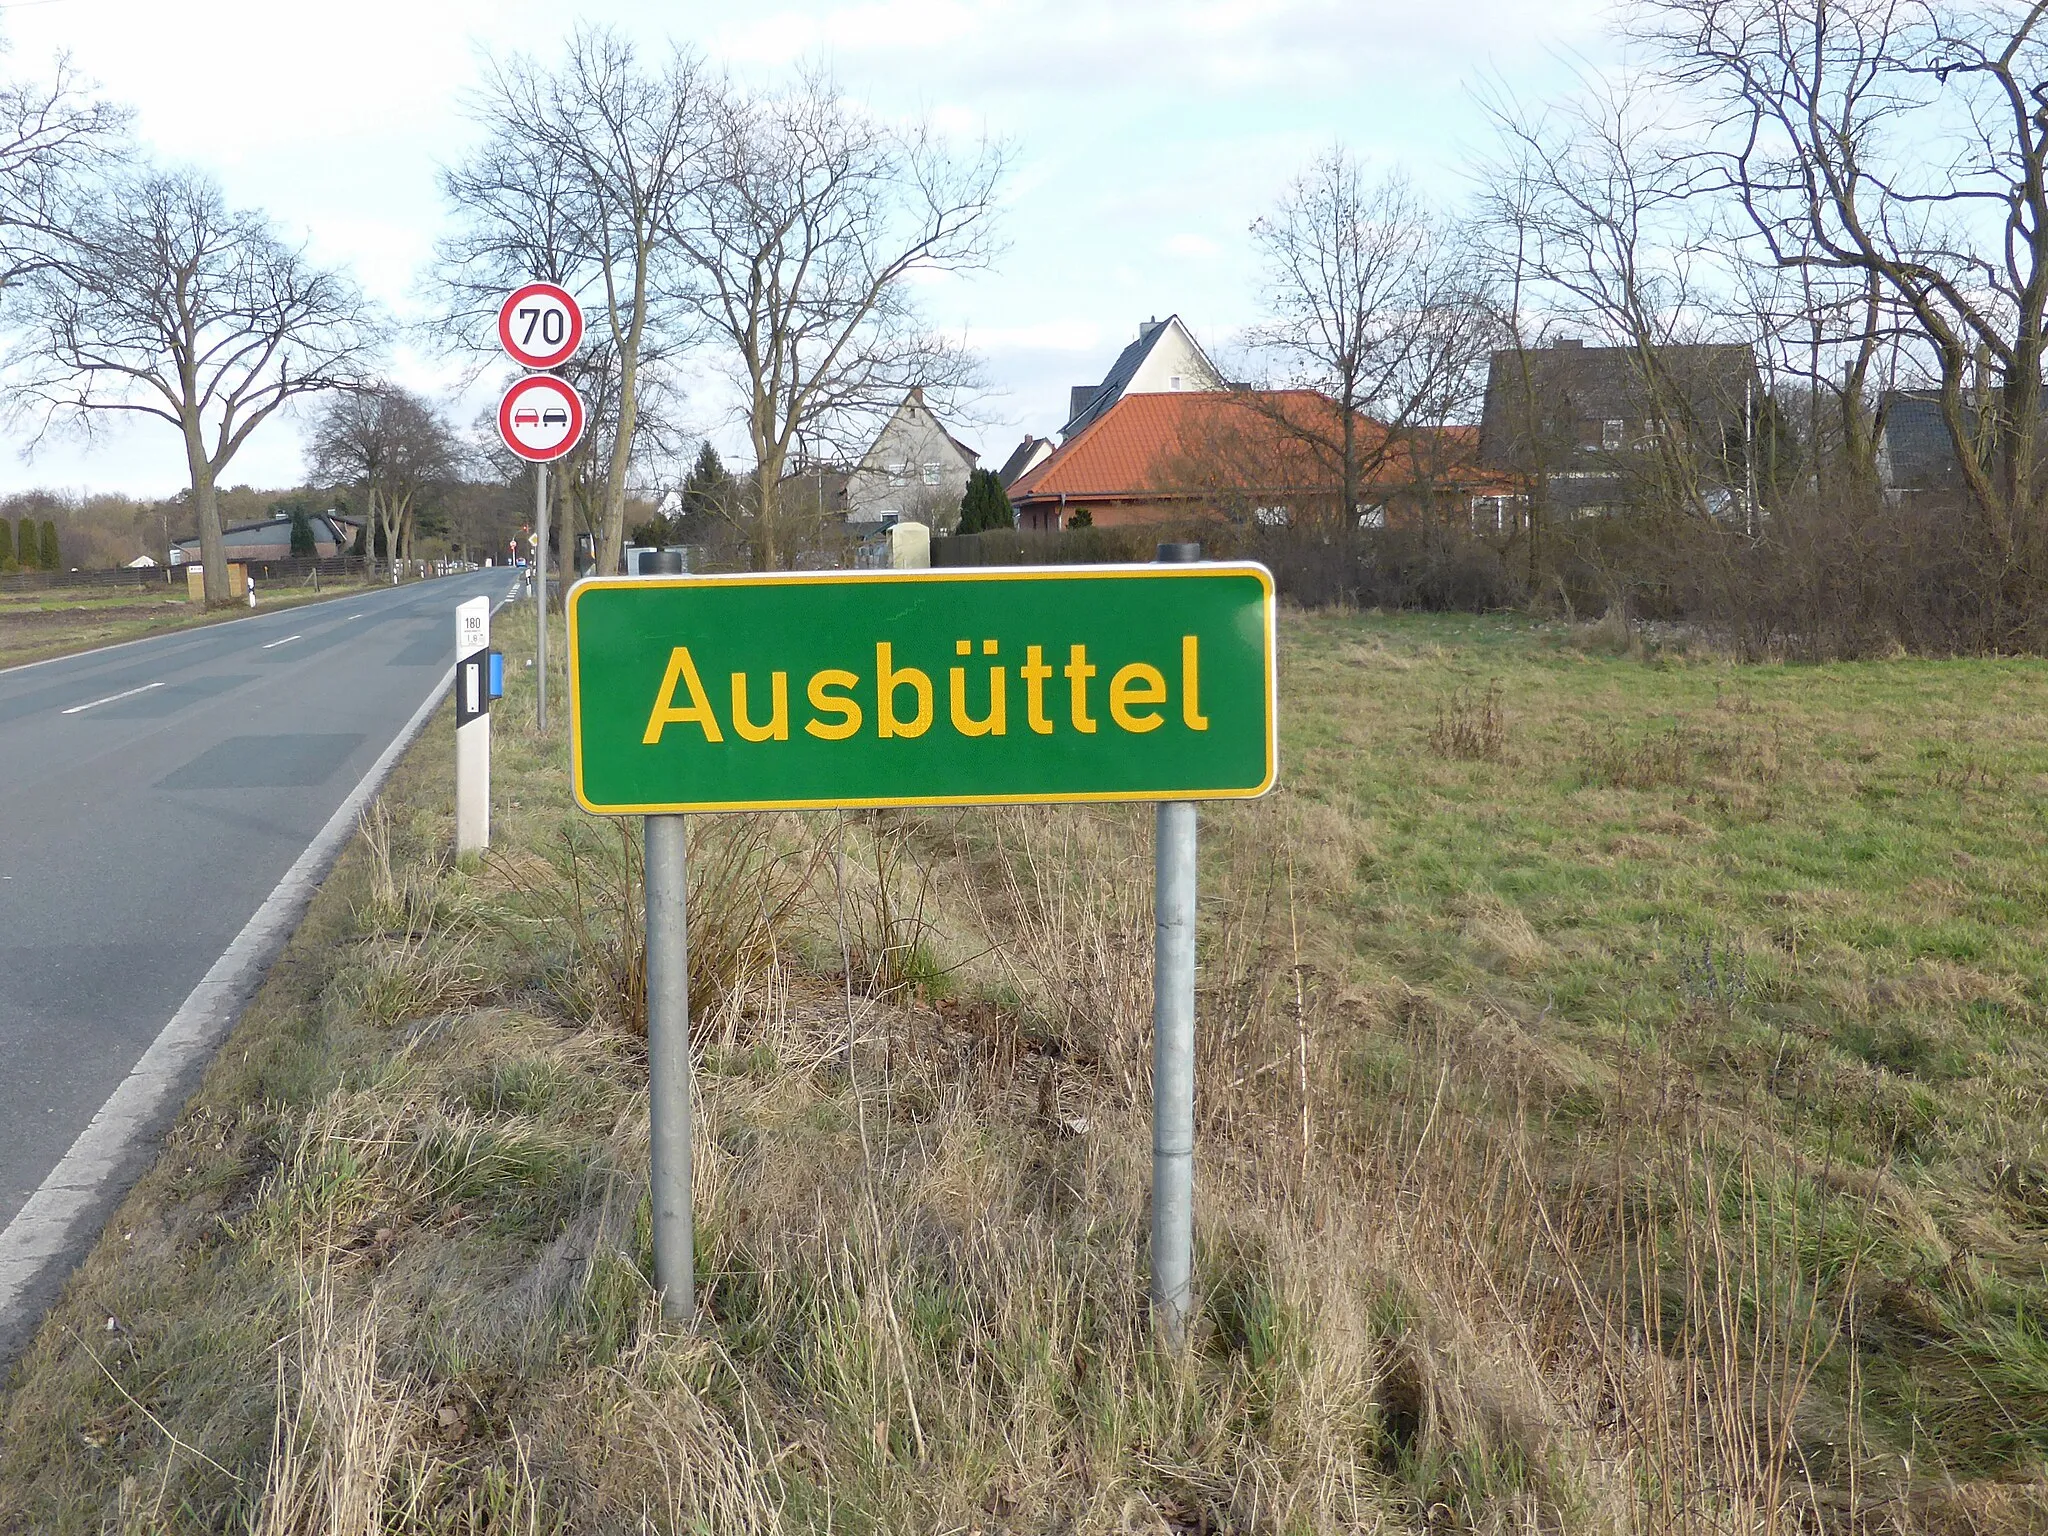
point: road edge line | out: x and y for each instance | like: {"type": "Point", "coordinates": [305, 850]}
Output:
{"type": "Point", "coordinates": [42, 1229]}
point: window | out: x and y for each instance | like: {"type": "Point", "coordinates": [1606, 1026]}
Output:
{"type": "Point", "coordinates": [1271, 517]}
{"type": "Point", "coordinates": [1611, 433]}
{"type": "Point", "coordinates": [931, 472]}
{"type": "Point", "coordinates": [1174, 382]}
{"type": "Point", "coordinates": [1373, 516]}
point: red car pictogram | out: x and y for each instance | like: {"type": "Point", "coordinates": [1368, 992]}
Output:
{"type": "Point", "coordinates": [527, 417]}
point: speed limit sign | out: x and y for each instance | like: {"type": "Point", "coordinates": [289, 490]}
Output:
{"type": "Point", "coordinates": [541, 325]}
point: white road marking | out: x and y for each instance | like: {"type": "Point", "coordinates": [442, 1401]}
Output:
{"type": "Point", "coordinates": [78, 709]}
{"type": "Point", "coordinates": [352, 616]}
{"type": "Point", "coordinates": [287, 640]}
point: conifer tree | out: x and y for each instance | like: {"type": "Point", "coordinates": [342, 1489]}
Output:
{"type": "Point", "coordinates": [985, 505]}
{"type": "Point", "coordinates": [52, 555]}
{"type": "Point", "coordinates": [304, 547]}
{"type": "Point", "coordinates": [28, 546]}
{"type": "Point", "coordinates": [6, 545]}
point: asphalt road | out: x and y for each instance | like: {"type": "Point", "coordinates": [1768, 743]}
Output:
{"type": "Point", "coordinates": [151, 797]}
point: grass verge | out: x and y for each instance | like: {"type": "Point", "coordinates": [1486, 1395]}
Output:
{"type": "Point", "coordinates": [38, 626]}
{"type": "Point", "coordinates": [1621, 1111]}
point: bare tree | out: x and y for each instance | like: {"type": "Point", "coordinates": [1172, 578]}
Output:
{"type": "Point", "coordinates": [1380, 303]}
{"type": "Point", "coordinates": [392, 445]}
{"type": "Point", "coordinates": [585, 167]}
{"type": "Point", "coordinates": [162, 301]}
{"type": "Point", "coordinates": [1592, 203]}
{"type": "Point", "coordinates": [805, 246]}
{"type": "Point", "coordinates": [1905, 143]}
{"type": "Point", "coordinates": [54, 138]}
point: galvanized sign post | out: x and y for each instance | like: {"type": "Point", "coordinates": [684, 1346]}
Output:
{"type": "Point", "coordinates": [1174, 887]}
{"type": "Point", "coordinates": [540, 598]}
{"type": "Point", "coordinates": [931, 687]}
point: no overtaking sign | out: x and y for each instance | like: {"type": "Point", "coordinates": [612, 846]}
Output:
{"type": "Point", "coordinates": [540, 418]}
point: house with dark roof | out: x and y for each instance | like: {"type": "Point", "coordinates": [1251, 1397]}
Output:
{"type": "Point", "coordinates": [271, 539]}
{"type": "Point", "coordinates": [1916, 457]}
{"type": "Point", "coordinates": [1592, 429]}
{"type": "Point", "coordinates": [1026, 456]}
{"type": "Point", "coordinates": [1263, 456]}
{"type": "Point", "coordinates": [1165, 359]}
{"type": "Point", "coordinates": [915, 471]}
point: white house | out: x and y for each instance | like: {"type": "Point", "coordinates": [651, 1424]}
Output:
{"type": "Point", "coordinates": [1165, 358]}
{"type": "Point", "coordinates": [915, 471]}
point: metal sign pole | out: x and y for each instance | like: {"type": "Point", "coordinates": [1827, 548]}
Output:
{"type": "Point", "coordinates": [540, 592]}
{"type": "Point", "coordinates": [668, 1068]}
{"type": "Point", "coordinates": [1173, 1052]}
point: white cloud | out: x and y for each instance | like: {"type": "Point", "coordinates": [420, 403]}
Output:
{"type": "Point", "coordinates": [1041, 336]}
{"type": "Point", "coordinates": [1148, 134]}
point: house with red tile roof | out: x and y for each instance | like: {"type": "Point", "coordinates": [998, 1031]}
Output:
{"type": "Point", "coordinates": [1270, 456]}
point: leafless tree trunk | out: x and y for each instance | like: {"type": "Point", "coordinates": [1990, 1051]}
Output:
{"type": "Point", "coordinates": [162, 301]}
{"type": "Point", "coordinates": [804, 245]}
{"type": "Point", "coordinates": [1378, 302]}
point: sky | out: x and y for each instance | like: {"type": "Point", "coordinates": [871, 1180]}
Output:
{"type": "Point", "coordinates": [1146, 136]}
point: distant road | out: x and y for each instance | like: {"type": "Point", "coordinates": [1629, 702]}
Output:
{"type": "Point", "coordinates": [152, 796]}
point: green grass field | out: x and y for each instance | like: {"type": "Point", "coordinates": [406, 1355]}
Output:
{"type": "Point", "coordinates": [1622, 1109]}
{"type": "Point", "coordinates": [35, 626]}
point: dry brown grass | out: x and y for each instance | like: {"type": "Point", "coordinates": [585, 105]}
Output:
{"type": "Point", "coordinates": [1453, 1274]}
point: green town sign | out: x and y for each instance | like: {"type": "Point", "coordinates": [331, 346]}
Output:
{"type": "Point", "coordinates": [940, 687]}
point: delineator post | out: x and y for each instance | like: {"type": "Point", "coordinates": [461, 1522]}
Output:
{"type": "Point", "coordinates": [473, 725]}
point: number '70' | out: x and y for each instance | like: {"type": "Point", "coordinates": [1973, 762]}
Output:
{"type": "Point", "coordinates": [549, 319]}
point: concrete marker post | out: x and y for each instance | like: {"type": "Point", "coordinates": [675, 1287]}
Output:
{"type": "Point", "coordinates": [668, 1068]}
{"type": "Point", "coordinates": [473, 725]}
{"type": "Point", "coordinates": [1173, 1051]}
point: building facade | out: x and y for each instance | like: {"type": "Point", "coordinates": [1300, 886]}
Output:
{"type": "Point", "coordinates": [915, 471]}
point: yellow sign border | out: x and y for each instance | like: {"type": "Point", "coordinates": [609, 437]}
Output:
{"type": "Point", "coordinates": [1161, 572]}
